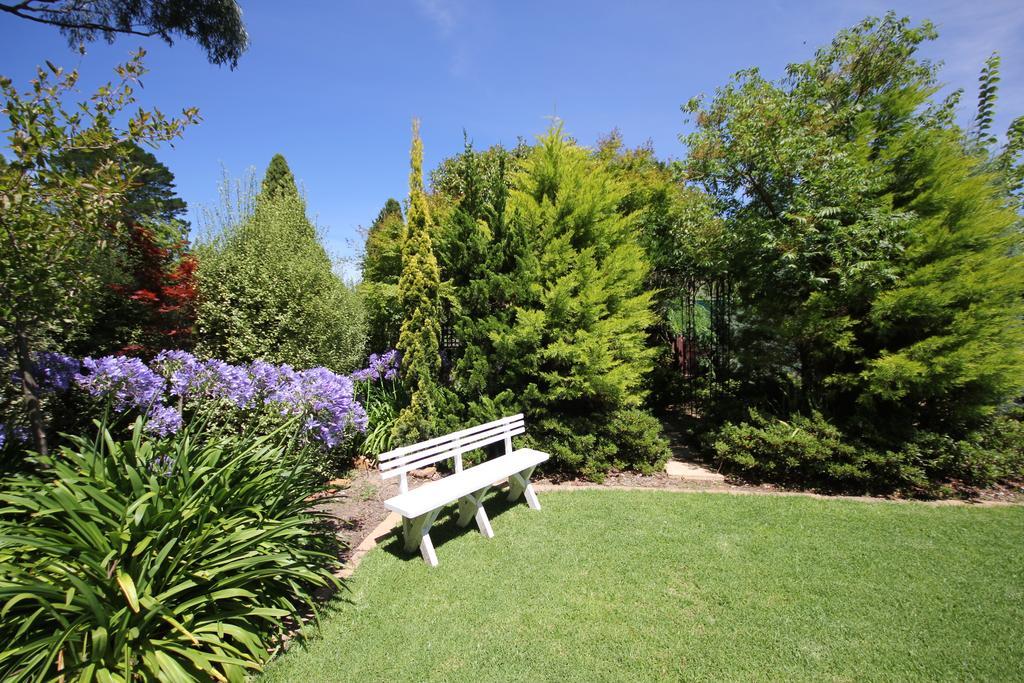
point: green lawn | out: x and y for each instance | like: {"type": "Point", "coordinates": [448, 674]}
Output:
{"type": "Point", "coordinates": [616, 585]}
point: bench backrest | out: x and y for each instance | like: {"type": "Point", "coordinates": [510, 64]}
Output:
{"type": "Point", "coordinates": [397, 462]}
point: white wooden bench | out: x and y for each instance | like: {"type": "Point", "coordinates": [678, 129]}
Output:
{"type": "Point", "coordinates": [420, 507]}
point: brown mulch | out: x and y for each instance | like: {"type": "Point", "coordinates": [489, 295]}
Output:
{"type": "Point", "coordinates": [356, 502]}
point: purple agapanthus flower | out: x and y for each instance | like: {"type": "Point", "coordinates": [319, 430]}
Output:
{"type": "Point", "coordinates": [162, 465]}
{"type": "Point", "coordinates": [383, 366]}
{"type": "Point", "coordinates": [191, 378]}
{"type": "Point", "coordinates": [3, 435]}
{"type": "Point", "coordinates": [21, 434]}
{"type": "Point", "coordinates": [163, 421]}
{"type": "Point", "coordinates": [169, 362]}
{"type": "Point", "coordinates": [324, 399]}
{"type": "Point", "coordinates": [267, 378]}
{"type": "Point", "coordinates": [55, 371]}
{"type": "Point", "coordinates": [127, 382]}
{"type": "Point", "coordinates": [52, 371]}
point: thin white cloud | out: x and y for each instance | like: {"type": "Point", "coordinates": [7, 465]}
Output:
{"type": "Point", "coordinates": [441, 13]}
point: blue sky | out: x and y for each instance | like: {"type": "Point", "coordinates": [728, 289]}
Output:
{"type": "Point", "coordinates": [333, 85]}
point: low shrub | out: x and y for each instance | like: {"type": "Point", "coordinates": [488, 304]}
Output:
{"type": "Point", "coordinates": [639, 441]}
{"type": "Point", "coordinates": [157, 559]}
{"type": "Point", "coordinates": [630, 440]}
{"type": "Point", "coordinates": [810, 450]}
{"type": "Point", "coordinates": [987, 456]}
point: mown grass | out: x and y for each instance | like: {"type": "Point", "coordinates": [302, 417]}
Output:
{"type": "Point", "coordinates": [616, 585]}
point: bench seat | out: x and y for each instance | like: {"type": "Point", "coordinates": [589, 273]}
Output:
{"type": "Point", "coordinates": [420, 507]}
{"type": "Point", "coordinates": [434, 494]}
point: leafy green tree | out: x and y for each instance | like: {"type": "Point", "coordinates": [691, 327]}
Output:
{"type": "Point", "coordinates": [381, 268]}
{"type": "Point", "coordinates": [278, 181]}
{"type": "Point", "coordinates": [1006, 163]}
{"type": "Point", "coordinates": [478, 253]}
{"type": "Point", "coordinates": [145, 303]}
{"type": "Point", "coordinates": [267, 290]}
{"type": "Point", "coordinates": [382, 256]}
{"type": "Point", "coordinates": [873, 250]}
{"type": "Point", "coordinates": [418, 287]}
{"type": "Point", "coordinates": [576, 353]}
{"type": "Point", "coordinates": [215, 24]}
{"type": "Point", "coordinates": [57, 228]}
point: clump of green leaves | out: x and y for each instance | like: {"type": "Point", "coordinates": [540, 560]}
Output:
{"type": "Point", "coordinates": [807, 450]}
{"type": "Point", "coordinates": [545, 281]}
{"type": "Point", "coordinates": [179, 559]}
{"type": "Point", "coordinates": [381, 268]}
{"type": "Point", "coordinates": [268, 290]}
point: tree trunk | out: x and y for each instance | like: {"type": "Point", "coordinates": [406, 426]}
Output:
{"type": "Point", "coordinates": [30, 390]}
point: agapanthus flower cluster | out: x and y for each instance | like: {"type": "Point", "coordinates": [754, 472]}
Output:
{"type": "Point", "coordinates": [192, 379]}
{"type": "Point", "coordinates": [383, 366]}
{"type": "Point", "coordinates": [21, 435]}
{"type": "Point", "coordinates": [162, 465]}
{"type": "Point", "coordinates": [326, 399]}
{"type": "Point", "coordinates": [52, 371]}
{"type": "Point", "coordinates": [323, 400]}
{"type": "Point", "coordinates": [127, 382]}
{"type": "Point", "coordinates": [163, 421]}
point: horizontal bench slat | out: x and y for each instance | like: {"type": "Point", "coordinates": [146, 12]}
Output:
{"type": "Point", "coordinates": [436, 441]}
{"type": "Point", "coordinates": [458, 444]}
{"type": "Point", "coordinates": [435, 494]}
{"type": "Point", "coordinates": [437, 453]}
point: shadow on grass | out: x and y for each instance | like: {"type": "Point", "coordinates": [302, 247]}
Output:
{"type": "Point", "coordinates": [445, 528]}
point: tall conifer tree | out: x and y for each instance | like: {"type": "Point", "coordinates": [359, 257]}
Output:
{"type": "Point", "coordinates": [278, 179]}
{"type": "Point", "coordinates": [418, 297]}
{"type": "Point", "coordinates": [550, 311]}
{"type": "Point", "coordinates": [381, 267]}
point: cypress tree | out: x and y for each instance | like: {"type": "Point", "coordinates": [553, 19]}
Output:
{"type": "Point", "coordinates": [472, 251]}
{"type": "Point", "coordinates": [382, 256]}
{"type": "Point", "coordinates": [418, 287]}
{"type": "Point", "coordinates": [574, 348]}
{"type": "Point", "coordinates": [381, 268]}
{"type": "Point", "coordinates": [278, 180]}
{"type": "Point", "coordinates": [949, 335]}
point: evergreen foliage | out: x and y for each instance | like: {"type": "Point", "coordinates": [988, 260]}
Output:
{"type": "Point", "coordinates": [381, 268]}
{"type": "Point", "coordinates": [382, 257]}
{"type": "Point", "coordinates": [418, 287]}
{"type": "Point", "coordinates": [267, 290]}
{"type": "Point", "coordinates": [548, 306]}
{"type": "Point", "coordinates": [278, 180]}
{"type": "Point", "coordinates": [873, 249]}
{"type": "Point", "coordinates": [215, 24]}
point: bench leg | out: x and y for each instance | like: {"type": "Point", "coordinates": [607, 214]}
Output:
{"type": "Point", "coordinates": [416, 532]}
{"type": "Point", "coordinates": [519, 485]}
{"type": "Point", "coordinates": [470, 507]}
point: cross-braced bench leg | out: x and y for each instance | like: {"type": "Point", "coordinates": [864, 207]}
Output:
{"type": "Point", "coordinates": [519, 485]}
{"type": "Point", "coordinates": [472, 506]}
{"type": "Point", "coordinates": [416, 532]}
